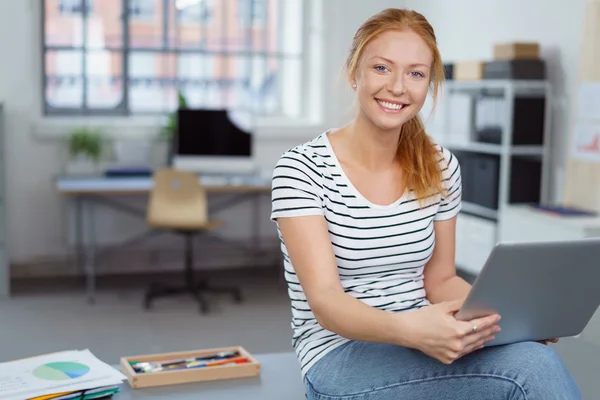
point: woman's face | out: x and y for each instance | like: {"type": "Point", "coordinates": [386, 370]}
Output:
{"type": "Point", "coordinates": [392, 78]}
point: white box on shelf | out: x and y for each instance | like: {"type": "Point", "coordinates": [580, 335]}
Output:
{"type": "Point", "coordinates": [460, 126]}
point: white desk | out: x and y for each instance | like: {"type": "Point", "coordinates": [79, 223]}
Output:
{"type": "Point", "coordinates": [280, 378]}
{"type": "Point", "coordinates": [100, 185]}
{"type": "Point", "coordinates": [521, 223]}
{"type": "Point", "coordinates": [89, 191]}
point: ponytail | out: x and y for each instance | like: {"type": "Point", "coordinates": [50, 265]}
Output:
{"type": "Point", "coordinates": [419, 159]}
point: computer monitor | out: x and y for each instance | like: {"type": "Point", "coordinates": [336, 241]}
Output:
{"type": "Point", "coordinates": [213, 141]}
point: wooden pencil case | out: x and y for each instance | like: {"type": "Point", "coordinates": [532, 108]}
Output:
{"type": "Point", "coordinates": [174, 377]}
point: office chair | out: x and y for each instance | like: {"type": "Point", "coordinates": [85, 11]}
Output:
{"type": "Point", "coordinates": [178, 203]}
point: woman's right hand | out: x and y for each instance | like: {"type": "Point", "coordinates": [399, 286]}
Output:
{"type": "Point", "coordinates": [436, 332]}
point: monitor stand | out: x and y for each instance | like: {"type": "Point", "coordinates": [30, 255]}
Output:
{"type": "Point", "coordinates": [216, 165]}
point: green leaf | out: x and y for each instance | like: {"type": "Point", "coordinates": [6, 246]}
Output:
{"type": "Point", "coordinates": [171, 125]}
{"type": "Point", "coordinates": [87, 142]}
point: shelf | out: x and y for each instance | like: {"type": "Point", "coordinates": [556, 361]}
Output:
{"type": "Point", "coordinates": [491, 166]}
{"type": "Point", "coordinates": [500, 84]}
{"type": "Point", "coordinates": [517, 84]}
{"type": "Point", "coordinates": [479, 211]}
{"type": "Point", "coordinates": [490, 148]}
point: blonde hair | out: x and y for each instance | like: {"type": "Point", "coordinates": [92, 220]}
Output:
{"type": "Point", "coordinates": [417, 154]}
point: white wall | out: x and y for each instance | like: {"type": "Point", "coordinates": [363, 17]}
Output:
{"type": "Point", "coordinates": [37, 214]}
{"type": "Point", "coordinates": [468, 29]}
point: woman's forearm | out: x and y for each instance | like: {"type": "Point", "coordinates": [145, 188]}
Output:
{"type": "Point", "coordinates": [453, 288]}
{"type": "Point", "coordinates": [349, 317]}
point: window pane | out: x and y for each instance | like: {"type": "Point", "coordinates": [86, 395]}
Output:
{"type": "Point", "coordinates": [147, 32]}
{"type": "Point", "coordinates": [104, 70]}
{"type": "Point", "coordinates": [268, 89]}
{"type": "Point", "coordinates": [74, 7]}
{"type": "Point", "coordinates": [253, 13]}
{"type": "Point", "coordinates": [214, 96]}
{"type": "Point", "coordinates": [237, 92]}
{"type": "Point", "coordinates": [260, 84]}
{"type": "Point", "coordinates": [289, 79]}
{"type": "Point", "coordinates": [152, 82]}
{"type": "Point", "coordinates": [143, 9]}
{"type": "Point", "coordinates": [64, 83]}
{"type": "Point", "coordinates": [215, 27]}
{"type": "Point", "coordinates": [196, 72]}
{"type": "Point", "coordinates": [189, 22]}
{"type": "Point", "coordinates": [240, 34]}
{"type": "Point", "coordinates": [61, 30]}
{"type": "Point", "coordinates": [218, 84]}
{"type": "Point", "coordinates": [285, 28]}
{"type": "Point", "coordinates": [104, 25]}
{"type": "Point", "coordinates": [195, 11]}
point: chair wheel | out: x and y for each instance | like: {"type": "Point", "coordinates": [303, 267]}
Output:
{"type": "Point", "coordinates": [237, 296]}
{"type": "Point", "coordinates": [147, 303]}
{"type": "Point", "coordinates": [204, 308]}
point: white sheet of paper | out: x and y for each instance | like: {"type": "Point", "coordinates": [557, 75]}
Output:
{"type": "Point", "coordinates": [37, 376]}
{"type": "Point", "coordinates": [586, 142]}
{"type": "Point", "coordinates": [589, 101]}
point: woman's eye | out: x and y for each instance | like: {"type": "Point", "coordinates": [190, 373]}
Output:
{"type": "Point", "coordinates": [381, 68]}
{"type": "Point", "coordinates": [418, 74]}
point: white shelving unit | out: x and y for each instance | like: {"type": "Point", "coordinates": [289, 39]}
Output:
{"type": "Point", "coordinates": [478, 226]}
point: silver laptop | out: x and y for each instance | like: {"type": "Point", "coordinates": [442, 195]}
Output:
{"type": "Point", "coordinates": [541, 290]}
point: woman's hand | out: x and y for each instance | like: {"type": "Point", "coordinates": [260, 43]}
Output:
{"type": "Point", "coordinates": [545, 342]}
{"type": "Point", "coordinates": [436, 332]}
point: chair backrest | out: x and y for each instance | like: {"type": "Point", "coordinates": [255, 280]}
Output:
{"type": "Point", "coordinates": [177, 200]}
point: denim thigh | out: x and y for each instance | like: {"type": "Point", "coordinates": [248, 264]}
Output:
{"type": "Point", "coordinates": [368, 371]}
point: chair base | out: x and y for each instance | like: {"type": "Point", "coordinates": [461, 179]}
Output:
{"type": "Point", "coordinates": [196, 290]}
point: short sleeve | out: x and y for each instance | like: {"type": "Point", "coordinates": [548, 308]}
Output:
{"type": "Point", "coordinates": [451, 201]}
{"type": "Point", "coordinates": [296, 186]}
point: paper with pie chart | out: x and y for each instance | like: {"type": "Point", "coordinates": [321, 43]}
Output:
{"type": "Point", "coordinates": [61, 371]}
{"type": "Point", "coordinates": [57, 372]}
{"type": "Point", "coordinates": [586, 142]}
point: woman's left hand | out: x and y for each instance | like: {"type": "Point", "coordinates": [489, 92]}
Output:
{"type": "Point", "coordinates": [545, 342]}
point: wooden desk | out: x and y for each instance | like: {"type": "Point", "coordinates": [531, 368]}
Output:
{"type": "Point", "coordinates": [90, 191]}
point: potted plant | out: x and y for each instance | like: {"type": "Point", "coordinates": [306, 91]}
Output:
{"type": "Point", "coordinates": [170, 128]}
{"type": "Point", "coordinates": [85, 150]}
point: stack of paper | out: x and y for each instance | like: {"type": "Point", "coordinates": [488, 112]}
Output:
{"type": "Point", "coordinates": [65, 375]}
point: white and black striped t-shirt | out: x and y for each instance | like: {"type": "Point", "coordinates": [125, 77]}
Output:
{"type": "Point", "coordinates": [380, 250]}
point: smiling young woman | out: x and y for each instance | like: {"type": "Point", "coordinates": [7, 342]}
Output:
{"type": "Point", "coordinates": [366, 215]}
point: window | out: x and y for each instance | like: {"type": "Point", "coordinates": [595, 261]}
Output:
{"type": "Point", "coordinates": [241, 54]}
{"type": "Point", "coordinates": [66, 7]}
{"type": "Point", "coordinates": [252, 12]}
{"type": "Point", "coordinates": [141, 9]}
{"type": "Point", "coordinates": [194, 11]}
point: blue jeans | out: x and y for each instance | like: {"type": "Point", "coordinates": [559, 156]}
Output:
{"type": "Point", "coordinates": [369, 371]}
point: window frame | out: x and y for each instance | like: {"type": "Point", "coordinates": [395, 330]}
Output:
{"type": "Point", "coordinates": [122, 111]}
{"type": "Point", "coordinates": [85, 6]}
{"type": "Point", "coordinates": [139, 16]}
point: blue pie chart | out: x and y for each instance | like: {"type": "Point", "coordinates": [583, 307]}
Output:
{"type": "Point", "coordinates": [60, 371]}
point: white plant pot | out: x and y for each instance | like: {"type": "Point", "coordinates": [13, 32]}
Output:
{"type": "Point", "coordinates": [82, 166]}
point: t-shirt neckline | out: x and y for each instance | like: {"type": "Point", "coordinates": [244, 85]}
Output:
{"type": "Point", "coordinates": [349, 184]}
